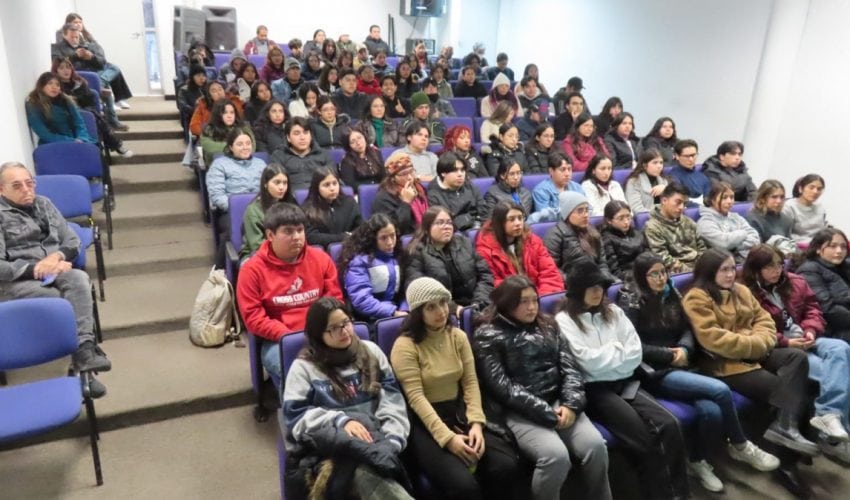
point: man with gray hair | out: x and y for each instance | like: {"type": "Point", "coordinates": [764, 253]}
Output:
{"type": "Point", "coordinates": [36, 251]}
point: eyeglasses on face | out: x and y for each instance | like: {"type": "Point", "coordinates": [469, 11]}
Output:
{"type": "Point", "coordinates": [657, 275]}
{"type": "Point", "coordinates": [337, 330]}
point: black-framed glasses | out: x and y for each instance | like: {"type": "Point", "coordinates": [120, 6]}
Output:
{"type": "Point", "coordinates": [336, 330]}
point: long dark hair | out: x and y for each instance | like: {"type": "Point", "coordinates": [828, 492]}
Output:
{"type": "Point", "coordinates": [255, 89]}
{"type": "Point", "coordinates": [263, 125]}
{"type": "Point", "coordinates": [316, 207]}
{"type": "Point", "coordinates": [216, 128]}
{"type": "Point", "coordinates": [656, 130]}
{"type": "Point", "coordinates": [590, 173]}
{"type": "Point", "coordinates": [759, 257]}
{"type": "Point", "coordinates": [206, 95]}
{"type": "Point", "coordinates": [589, 238]}
{"type": "Point", "coordinates": [803, 181]}
{"type": "Point", "coordinates": [496, 226]}
{"type": "Point", "coordinates": [820, 239]}
{"type": "Point", "coordinates": [324, 84]}
{"type": "Point", "coordinates": [423, 232]}
{"type": "Point", "coordinates": [364, 240]}
{"type": "Point", "coordinates": [705, 272]}
{"type": "Point", "coordinates": [610, 211]}
{"type": "Point", "coordinates": [573, 304]}
{"type": "Point", "coordinates": [656, 309]}
{"type": "Point", "coordinates": [575, 138]}
{"type": "Point", "coordinates": [271, 171]}
{"type": "Point", "coordinates": [507, 296]}
{"type": "Point", "coordinates": [643, 160]}
{"type": "Point", "coordinates": [38, 98]}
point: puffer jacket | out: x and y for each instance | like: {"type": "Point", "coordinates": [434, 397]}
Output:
{"type": "Point", "coordinates": [228, 176]}
{"type": "Point", "coordinates": [730, 232]}
{"type": "Point", "coordinates": [526, 368]}
{"type": "Point", "coordinates": [300, 168]}
{"type": "Point", "coordinates": [477, 279]}
{"type": "Point", "coordinates": [373, 284]}
{"type": "Point", "coordinates": [501, 192]}
{"type": "Point", "coordinates": [494, 157]}
{"type": "Point", "coordinates": [564, 246]}
{"type": "Point", "coordinates": [621, 249]}
{"type": "Point", "coordinates": [831, 285]}
{"type": "Point", "coordinates": [664, 146]}
{"type": "Point", "coordinates": [738, 177]}
{"type": "Point", "coordinates": [475, 164]}
{"type": "Point", "coordinates": [329, 136]}
{"type": "Point", "coordinates": [582, 153]}
{"type": "Point", "coordinates": [802, 306]}
{"type": "Point", "coordinates": [675, 241]}
{"type": "Point", "coordinates": [537, 158]}
{"type": "Point", "coordinates": [537, 264]}
{"type": "Point", "coordinates": [621, 155]}
{"type": "Point", "coordinates": [343, 218]}
{"type": "Point", "coordinates": [463, 204]}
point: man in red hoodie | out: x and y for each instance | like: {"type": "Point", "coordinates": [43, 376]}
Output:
{"type": "Point", "coordinates": [279, 283]}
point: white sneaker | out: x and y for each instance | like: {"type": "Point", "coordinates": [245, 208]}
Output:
{"type": "Point", "coordinates": [126, 153]}
{"type": "Point", "coordinates": [754, 456]}
{"type": "Point", "coordinates": [123, 104]}
{"type": "Point", "coordinates": [705, 473]}
{"type": "Point", "coordinates": [830, 424]}
{"type": "Point", "coordinates": [839, 451]}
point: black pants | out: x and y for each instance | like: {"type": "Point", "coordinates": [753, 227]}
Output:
{"type": "Point", "coordinates": [496, 476]}
{"type": "Point", "coordinates": [222, 221]}
{"type": "Point", "coordinates": [649, 435]}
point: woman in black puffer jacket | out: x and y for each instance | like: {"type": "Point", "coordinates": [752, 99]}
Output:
{"type": "Point", "coordinates": [620, 239]}
{"type": "Point", "coordinates": [331, 215]}
{"type": "Point", "coordinates": [533, 385]}
{"type": "Point", "coordinates": [827, 271]}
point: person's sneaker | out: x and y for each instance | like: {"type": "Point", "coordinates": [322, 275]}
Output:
{"type": "Point", "coordinates": [126, 153]}
{"type": "Point", "coordinates": [836, 450]}
{"type": "Point", "coordinates": [755, 456]}
{"type": "Point", "coordinates": [791, 439]}
{"type": "Point", "coordinates": [90, 357]}
{"type": "Point", "coordinates": [121, 127]}
{"type": "Point", "coordinates": [705, 473]}
{"type": "Point", "coordinates": [96, 388]}
{"type": "Point", "coordinates": [123, 104]}
{"type": "Point", "coordinates": [830, 424]}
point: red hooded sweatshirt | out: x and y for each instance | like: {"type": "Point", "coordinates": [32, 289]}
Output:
{"type": "Point", "coordinates": [274, 295]}
{"type": "Point", "coordinates": [538, 264]}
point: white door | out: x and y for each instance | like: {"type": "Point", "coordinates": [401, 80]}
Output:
{"type": "Point", "coordinates": [119, 27]}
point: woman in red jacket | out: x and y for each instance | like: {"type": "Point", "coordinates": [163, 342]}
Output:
{"type": "Point", "coordinates": [582, 143]}
{"type": "Point", "coordinates": [509, 247]}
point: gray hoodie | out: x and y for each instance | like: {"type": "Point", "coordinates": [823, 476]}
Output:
{"type": "Point", "coordinates": [730, 232]}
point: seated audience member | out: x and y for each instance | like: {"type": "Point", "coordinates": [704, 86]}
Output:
{"type": "Point", "coordinates": [245, 79]}
{"type": "Point", "coordinates": [505, 146]}
{"type": "Point", "coordinates": [331, 214]}
{"type": "Point", "coordinates": [545, 193]}
{"type": "Point", "coordinates": [329, 79]}
{"type": "Point", "coordinates": [342, 383]}
{"type": "Point", "coordinates": [474, 61]}
{"type": "Point", "coordinates": [286, 88]}
{"type": "Point", "coordinates": [729, 323]}
{"type": "Point", "coordinates": [526, 366]}
{"type": "Point", "coordinates": [440, 107]}
{"type": "Point", "coordinates": [529, 121]}
{"type": "Point", "coordinates": [312, 68]}
{"type": "Point", "coordinates": [826, 268]}
{"type": "Point", "coordinates": [799, 324]}
{"type": "Point", "coordinates": [530, 94]}
{"type": "Point", "coordinates": [574, 106]}
{"type": "Point", "coordinates": [807, 215]}
{"type": "Point", "coordinates": [421, 114]}
{"type": "Point", "coordinates": [261, 94]}
{"type": "Point", "coordinates": [621, 141]}
{"type": "Point", "coordinates": [279, 283]}
{"type": "Point", "coordinates": [296, 49]}
{"type": "Point", "coordinates": [509, 247]}
{"type": "Point", "coordinates": [438, 76]}
{"type": "Point", "coordinates": [302, 155]}
{"type": "Point", "coordinates": [274, 68]}
{"type": "Point", "coordinates": [401, 196]}
{"type": "Point", "coordinates": [305, 105]}
{"type": "Point", "coordinates": [260, 44]}
{"type": "Point", "coordinates": [366, 81]}
{"type": "Point", "coordinates": [213, 93]}
{"type": "Point", "coordinates": [721, 228]}
{"type": "Point", "coordinates": [362, 163]}
{"type": "Point", "coordinates": [599, 185]}
{"type": "Point", "coordinates": [274, 188]}
{"type": "Point", "coordinates": [38, 247]}
{"type": "Point", "coordinates": [268, 127]}
{"type": "Point", "coordinates": [329, 52]}
{"type": "Point", "coordinates": [228, 71]}
{"type": "Point", "coordinates": [539, 147]}
{"type": "Point", "coordinates": [344, 42]}
{"type": "Point", "coordinates": [451, 190]}
{"type": "Point", "coordinates": [224, 118]}
{"type": "Point", "coordinates": [562, 96]}
{"type": "Point", "coordinates": [670, 234]}
{"type": "Point", "coordinates": [768, 219]}
{"type": "Point", "coordinates": [448, 441]}
{"type": "Point", "coordinates": [371, 268]}
{"type": "Point", "coordinates": [419, 58]}
{"type": "Point", "coordinates": [374, 43]}
{"type": "Point", "coordinates": [468, 85]}
{"type": "Point", "coordinates": [347, 99]}
{"type": "Point", "coordinates": [189, 93]}
{"type": "Point", "coordinates": [503, 114]}
{"type": "Point", "coordinates": [582, 144]}
{"type": "Point", "coordinates": [669, 349]}
{"type": "Point", "coordinates": [501, 91]}
{"type": "Point", "coordinates": [314, 46]}
{"type": "Point", "coordinates": [662, 137]}
{"type": "Point", "coordinates": [327, 129]}
{"type": "Point", "coordinates": [377, 127]}
{"type": "Point", "coordinates": [53, 116]}
{"type": "Point", "coordinates": [417, 135]}
{"type": "Point", "coordinates": [727, 166]}
{"type": "Point", "coordinates": [610, 110]}
{"type": "Point", "coordinates": [508, 187]}
{"type": "Point", "coordinates": [458, 140]}
{"type": "Point", "coordinates": [405, 80]}
{"type": "Point", "coordinates": [686, 172]}
{"type": "Point", "coordinates": [621, 241]}
{"type": "Point", "coordinates": [645, 183]}
{"type": "Point", "coordinates": [501, 68]}
{"type": "Point", "coordinates": [573, 238]}
{"type": "Point", "coordinates": [607, 349]}
{"type": "Point", "coordinates": [532, 71]}
{"type": "Point", "coordinates": [198, 54]}
{"type": "Point", "coordinates": [379, 62]}
{"type": "Point", "coordinates": [438, 252]}
{"type": "Point", "coordinates": [396, 107]}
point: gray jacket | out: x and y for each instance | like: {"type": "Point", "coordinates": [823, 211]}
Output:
{"type": "Point", "coordinates": [731, 232]}
{"type": "Point", "coordinates": [638, 193]}
{"type": "Point", "coordinates": [22, 243]}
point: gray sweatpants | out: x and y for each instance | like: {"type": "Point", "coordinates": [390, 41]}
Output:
{"type": "Point", "coordinates": [73, 286]}
{"type": "Point", "coordinates": [550, 450]}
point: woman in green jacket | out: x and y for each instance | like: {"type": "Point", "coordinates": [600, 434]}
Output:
{"type": "Point", "coordinates": [274, 187]}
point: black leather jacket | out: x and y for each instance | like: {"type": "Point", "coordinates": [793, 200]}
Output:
{"type": "Point", "coordinates": [527, 368]}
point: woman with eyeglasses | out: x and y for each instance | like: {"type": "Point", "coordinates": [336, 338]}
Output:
{"type": "Point", "coordinates": [449, 439]}
{"type": "Point", "coordinates": [654, 307]}
{"type": "Point", "coordinates": [739, 339]}
{"type": "Point", "coordinates": [622, 242]}
{"type": "Point", "coordinates": [508, 187]}
{"type": "Point", "coordinates": [342, 409]}
{"type": "Point", "coordinates": [400, 195]}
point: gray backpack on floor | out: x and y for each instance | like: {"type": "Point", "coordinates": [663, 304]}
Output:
{"type": "Point", "coordinates": [214, 320]}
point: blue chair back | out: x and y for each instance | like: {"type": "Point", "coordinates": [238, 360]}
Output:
{"type": "Point", "coordinates": [641, 219]}
{"type": "Point", "coordinates": [92, 79]}
{"type": "Point", "coordinates": [335, 251]}
{"type": "Point", "coordinates": [692, 213]}
{"type": "Point", "coordinates": [465, 107]}
{"type": "Point", "coordinates": [613, 290]}
{"type": "Point", "coordinates": [476, 130]}
{"type": "Point", "coordinates": [531, 181]}
{"type": "Point", "coordinates": [262, 155]}
{"type": "Point", "coordinates": [452, 121]}
{"type": "Point", "coordinates": [487, 84]}
{"type": "Point", "coordinates": [549, 302]}
{"type": "Point", "coordinates": [597, 220]}
{"type": "Point", "coordinates": [620, 176]}
{"type": "Point", "coordinates": [258, 60]}
{"type": "Point", "coordinates": [367, 194]}
{"type": "Point", "coordinates": [466, 322]}
{"type": "Point", "coordinates": [541, 228]}
{"type": "Point", "coordinates": [386, 151]}
{"type": "Point", "coordinates": [91, 124]}
{"type": "Point", "coordinates": [392, 61]}
{"type": "Point", "coordinates": [336, 155]}
{"type": "Point", "coordinates": [69, 193]}
{"type": "Point", "coordinates": [36, 331]}
{"type": "Point", "coordinates": [76, 158]}
{"type": "Point", "coordinates": [577, 177]}
{"type": "Point", "coordinates": [238, 204]}
{"type": "Point", "coordinates": [221, 58]}
{"type": "Point", "coordinates": [742, 208]}
{"type": "Point", "coordinates": [682, 281]}
{"type": "Point", "coordinates": [472, 234]}
{"type": "Point", "coordinates": [301, 194]}
{"type": "Point", "coordinates": [483, 184]}
{"type": "Point", "coordinates": [212, 73]}
{"type": "Point", "coordinates": [386, 331]}
{"type": "Point", "coordinates": [291, 344]}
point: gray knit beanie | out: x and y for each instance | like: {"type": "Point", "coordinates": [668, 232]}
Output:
{"type": "Point", "coordinates": [423, 290]}
{"type": "Point", "coordinates": [569, 201]}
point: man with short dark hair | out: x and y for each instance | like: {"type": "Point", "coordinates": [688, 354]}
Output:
{"type": "Point", "coordinates": [279, 283]}
{"type": "Point", "coordinates": [347, 99]}
{"type": "Point", "coordinates": [574, 86]}
{"type": "Point", "coordinates": [500, 67]}
{"type": "Point", "coordinates": [374, 43]}
{"type": "Point", "coordinates": [686, 173]}
{"type": "Point", "coordinates": [670, 234]}
{"type": "Point", "coordinates": [36, 251]}
{"type": "Point", "coordinates": [296, 49]}
{"type": "Point", "coordinates": [260, 44]}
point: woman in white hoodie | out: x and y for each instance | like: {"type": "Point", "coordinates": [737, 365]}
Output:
{"type": "Point", "coordinates": [722, 228]}
{"type": "Point", "coordinates": [608, 349]}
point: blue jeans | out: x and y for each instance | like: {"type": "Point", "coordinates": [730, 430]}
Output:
{"type": "Point", "coordinates": [271, 358]}
{"type": "Point", "coordinates": [712, 399]}
{"type": "Point", "coordinates": [829, 365]}
{"type": "Point", "coordinates": [107, 74]}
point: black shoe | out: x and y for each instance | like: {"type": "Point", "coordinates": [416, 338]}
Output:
{"type": "Point", "coordinates": [789, 478]}
{"type": "Point", "coordinates": [96, 389]}
{"type": "Point", "coordinates": [90, 358]}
